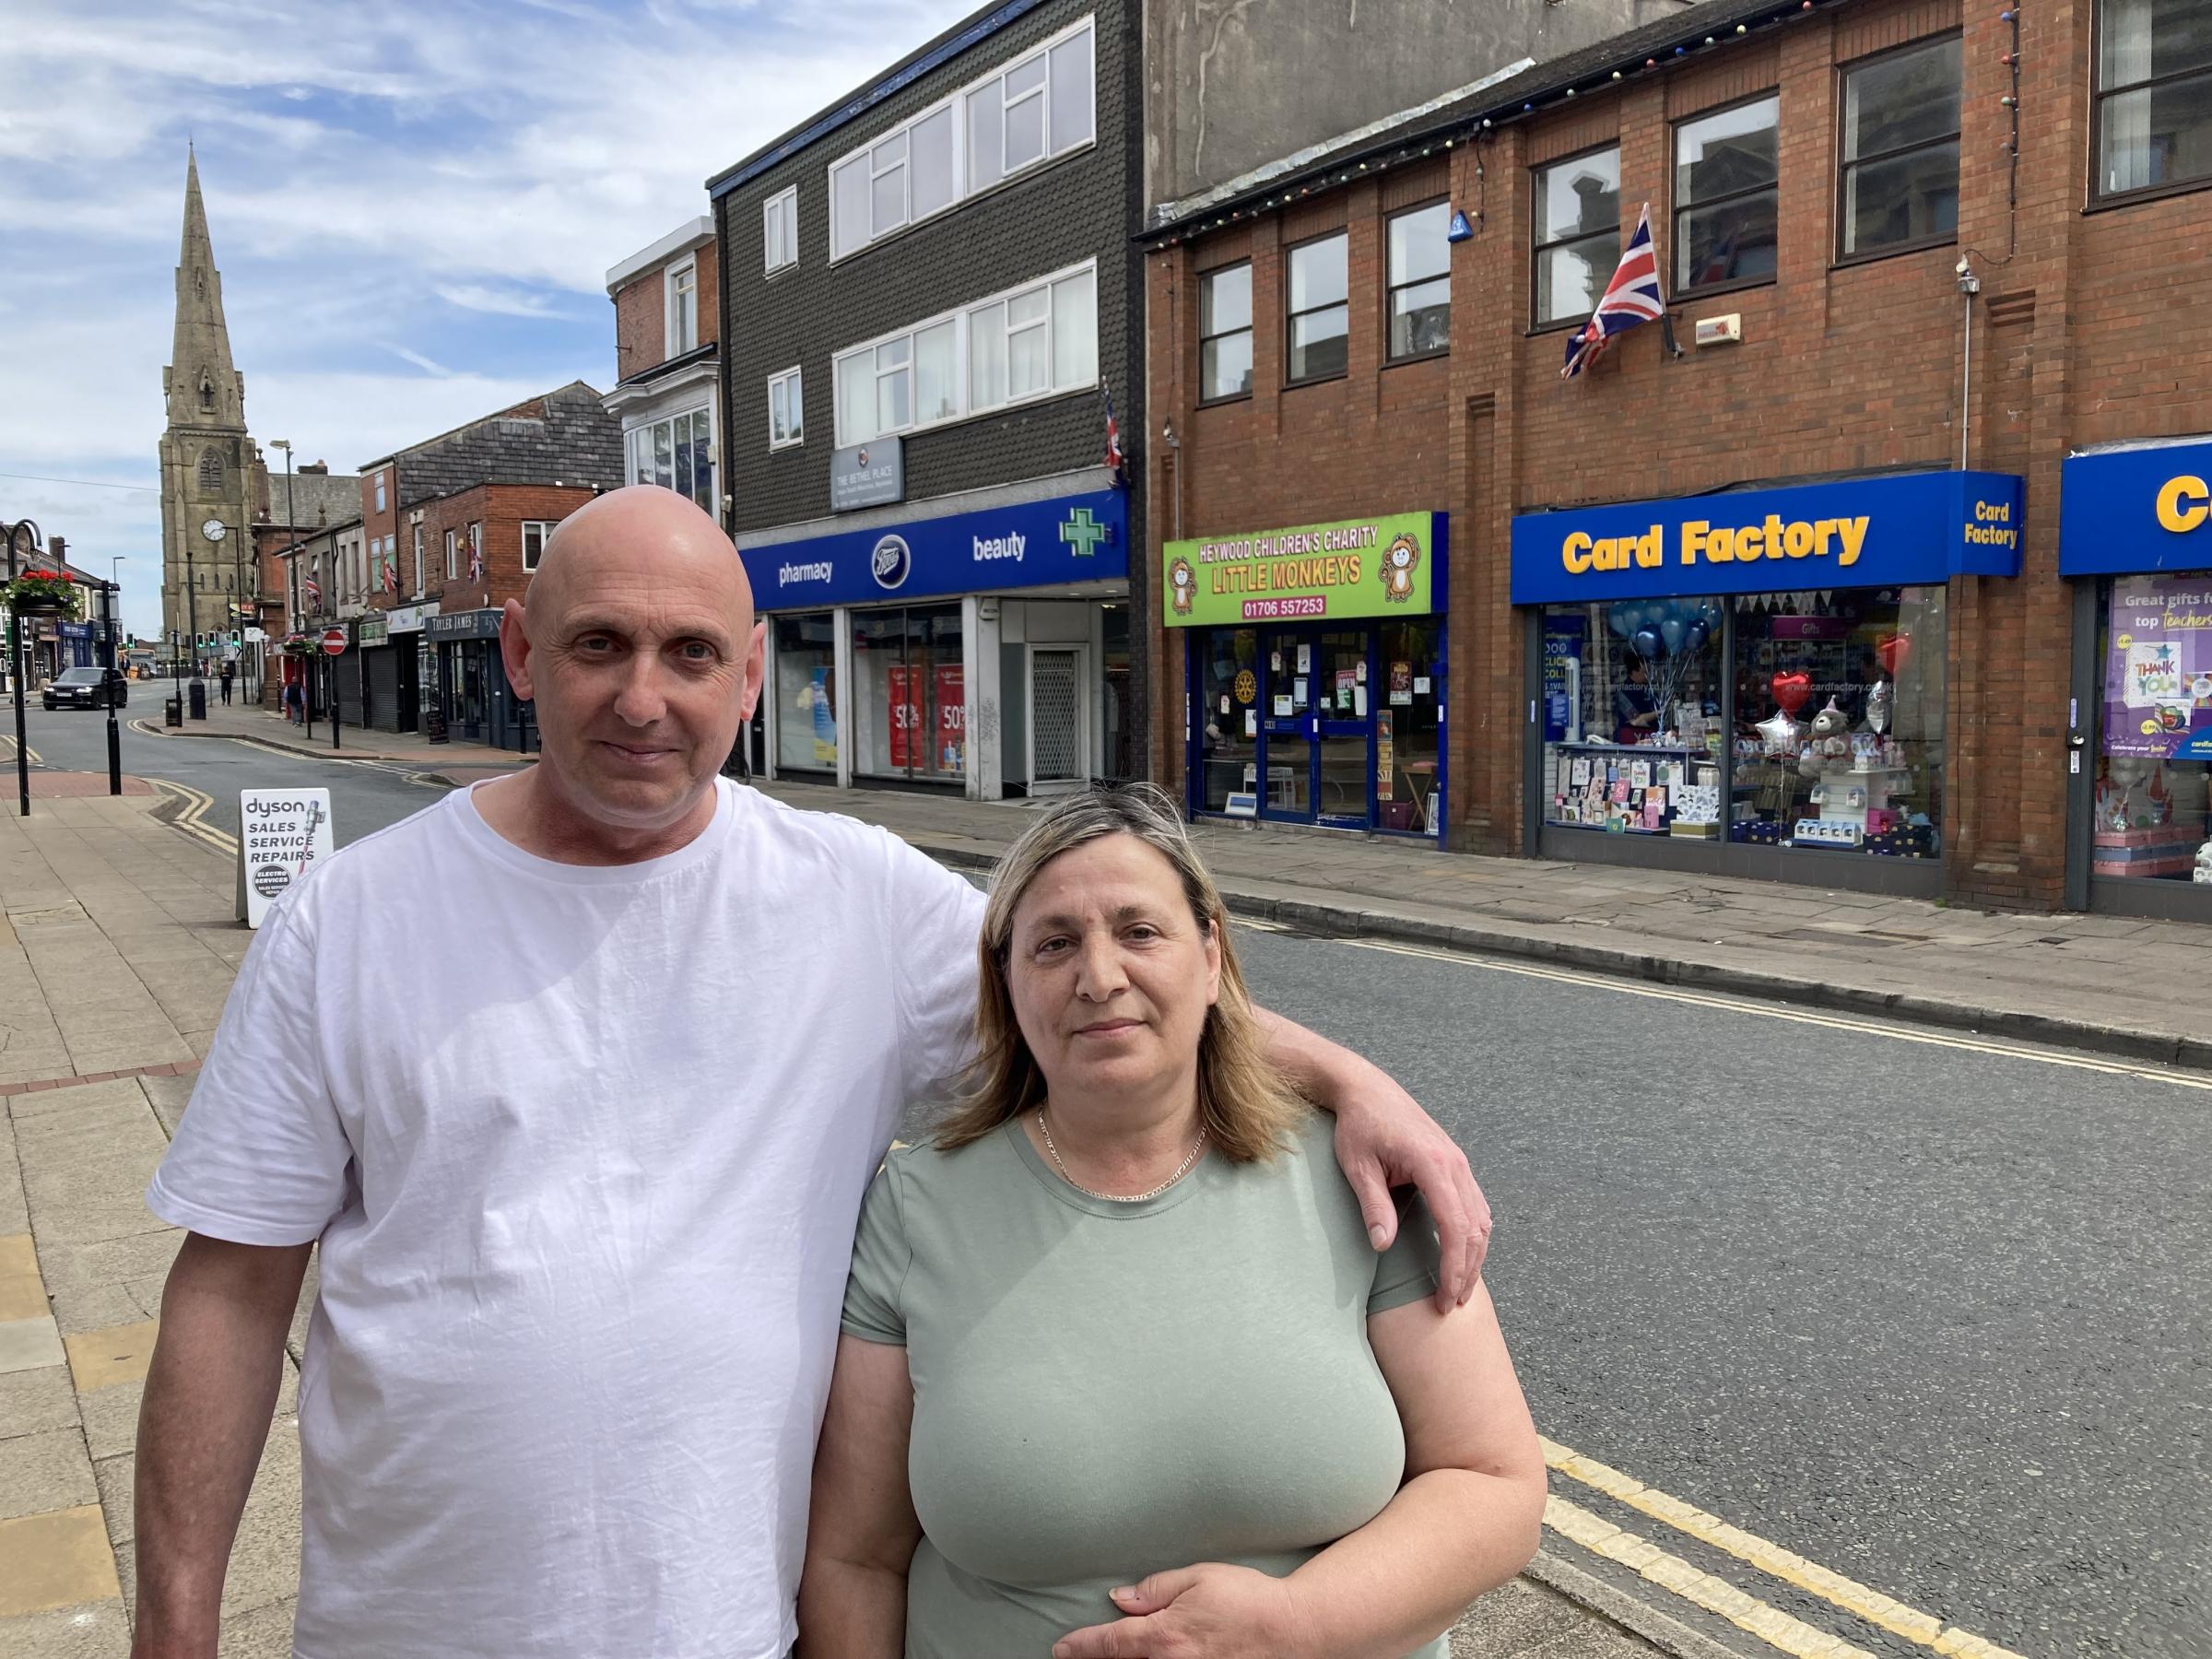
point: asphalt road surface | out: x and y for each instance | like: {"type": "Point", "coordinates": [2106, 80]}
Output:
{"type": "Point", "coordinates": [365, 796]}
{"type": "Point", "coordinates": [1927, 1311]}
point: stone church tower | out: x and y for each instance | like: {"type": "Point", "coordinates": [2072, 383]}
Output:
{"type": "Point", "coordinates": [207, 557]}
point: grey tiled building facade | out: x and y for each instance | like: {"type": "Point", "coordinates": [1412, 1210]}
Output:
{"type": "Point", "coordinates": [1013, 540]}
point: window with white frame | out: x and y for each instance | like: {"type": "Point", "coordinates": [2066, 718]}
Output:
{"type": "Point", "coordinates": [380, 492]}
{"type": "Point", "coordinates": [453, 556]}
{"type": "Point", "coordinates": [780, 230]}
{"type": "Point", "coordinates": [786, 410]}
{"type": "Point", "coordinates": [1038, 340]}
{"type": "Point", "coordinates": [676, 452]}
{"type": "Point", "coordinates": [683, 307]}
{"type": "Point", "coordinates": [417, 588]}
{"type": "Point", "coordinates": [535, 533]}
{"type": "Point", "coordinates": [1041, 105]}
{"type": "Point", "coordinates": [475, 549]}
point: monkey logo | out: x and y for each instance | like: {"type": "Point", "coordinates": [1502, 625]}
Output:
{"type": "Point", "coordinates": [1398, 560]}
{"type": "Point", "coordinates": [1179, 580]}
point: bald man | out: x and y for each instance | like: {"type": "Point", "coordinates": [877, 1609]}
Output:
{"type": "Point", "coordinates": [577, 1078]}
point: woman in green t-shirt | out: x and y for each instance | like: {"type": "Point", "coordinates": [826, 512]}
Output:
{"type": "Point", "coordinates": [1120, 1367]}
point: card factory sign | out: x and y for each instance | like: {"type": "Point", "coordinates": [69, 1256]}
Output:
{"type": "Point", "coordinates": [1375, 566]}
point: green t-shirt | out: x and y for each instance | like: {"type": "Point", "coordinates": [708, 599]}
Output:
{"type": "Point", "coordinates": [1105, 1389]}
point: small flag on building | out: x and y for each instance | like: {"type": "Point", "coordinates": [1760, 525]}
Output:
{"type": "Point", "coordinates": [1632, 297]}
{"type": "Point", "coordinates": [313, 590]}
{"type": "Point", "coordinates": [476, 554]}
{"type": "Point", "coordinates": [1459, 229]}
{"type": "Point", "coordinates": [1113, 432]}
{"type": "Point", "coordinates": [391, 569]}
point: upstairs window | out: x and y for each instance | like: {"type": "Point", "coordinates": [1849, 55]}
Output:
{"type": "Point", "coordinates": [683, 308]}
{"type": "Point", "coordinates": [2154, 94]}
{"type": "Point", "coordinates": [1578, 234]}
{"type": "Point", "coordinates": [1900, 150]}
{"type": "Point", "coordinates": [1725, 197]}
{"type": "Point", "coordinates": [786, 410]}
{"type": "Point", "coordinates": [1320, 320]}
{"type": "Point", "coordinates": [780, 230]}
{"type": "Point", "coordinates": [535, 533]}
{"type": "Point", "coordinates": [380, 492]}
{"type": "Point", "coordinates": [453, 556]}
{"type": "Point", "coordinates": [1225, 333]}
{"type": "Point", "coordinates": [211, 472]}
{"type": "Point", "coordinates": [1420, 282]}
{"type": "Point", "coordinates": [1041, 105]}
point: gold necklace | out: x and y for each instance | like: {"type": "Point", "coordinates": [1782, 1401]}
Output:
{"type": "Point", "coordinates": [1181, 1170]}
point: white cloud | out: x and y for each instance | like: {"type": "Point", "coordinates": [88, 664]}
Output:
{"type": "Point", "coordinates": [455, 173]}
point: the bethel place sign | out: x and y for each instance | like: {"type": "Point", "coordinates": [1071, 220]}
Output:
{"type": "Point", "coordinates": [1374, 567]}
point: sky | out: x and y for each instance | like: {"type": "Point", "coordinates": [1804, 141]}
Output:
{"type": "Point", "coordinates": [413, 203]}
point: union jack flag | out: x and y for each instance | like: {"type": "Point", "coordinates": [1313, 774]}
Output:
{"type": "Point", "coordinates": [1113, 432]}
{"type": "Point", "coordinates": [1632, 297]}
{"type": "Point", "coordinates": [476, 553]}
{"type": "Point", "coordinates": [311, 590]}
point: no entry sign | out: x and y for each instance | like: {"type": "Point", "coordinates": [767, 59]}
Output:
{"type": "Point", "coordinates": [281, 833]}
{"type": "Point", "coordinates": [334, 641]}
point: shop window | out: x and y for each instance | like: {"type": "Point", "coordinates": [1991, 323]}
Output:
{"type": "Point", "coordinates": [1824, 732]}
{"type": "Point", "coordinates": [1319, 317]}
{"type": "Point", "coordinates": [2154, 94]}
{"type": "Point", "coordinates": [787, 414]}
{"type": "Point", "coordinates": [2154, 766]}
{"type": "Point", "coordinates": [1420, 282]}
{"type": "Point", "coordinates": [1229, 686]}
{"type": "Point", "coordinates": [1725, 197]}
{"type": "Point", "coordinates": [1900, 150]}
{"type": "Point", "coordinates": [1225, 333]}
{"type": "Point", "coordinates": [1578, 234]}
{"type": "Point", "coordinates": [780, 230]}
{"type": "Point", "coordinates": [909, 709]}
{"type": "Point", "coordinates": [806, 692]}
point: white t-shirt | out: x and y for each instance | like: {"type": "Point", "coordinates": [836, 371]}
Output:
{"type": "Point", "coordinates": [584, 1148]}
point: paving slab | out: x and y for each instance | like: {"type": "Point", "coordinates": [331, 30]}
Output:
{"type": "Point", "coordinates": [97, 1630]}
{"type": "Point", "coordinates": [39, 1472]}
{"type": "Point", "coordinates": [36, 1400]}
{"type": "Point", "coordinates": [57, 1559]}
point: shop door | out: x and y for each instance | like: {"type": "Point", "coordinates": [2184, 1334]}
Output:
{"type": "Point", "coordinates": [1058, 717]}
{"type": "Point", "coordinates": [1317, 734]}
{"type": "Point", "coordinates": [470, 713]}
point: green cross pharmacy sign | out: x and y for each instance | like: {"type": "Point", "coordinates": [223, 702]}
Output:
{"type": "Point", "coordinates": [1082, 533]}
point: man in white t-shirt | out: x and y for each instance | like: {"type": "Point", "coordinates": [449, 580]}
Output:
{"type": "Point", "coordinates": [578, 1077]}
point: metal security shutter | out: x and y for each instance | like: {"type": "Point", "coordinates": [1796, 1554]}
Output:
{"type": "Point", "coordinates": [1056, 716]}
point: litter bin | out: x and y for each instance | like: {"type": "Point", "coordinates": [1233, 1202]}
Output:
{"type": "Point", "coordinates": [199, 689]}
{"type": "Point", "coordinates": [172, 713]}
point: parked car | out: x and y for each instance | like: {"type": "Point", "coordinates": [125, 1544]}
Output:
{"type": "Point", "coordinates": [87, 688]}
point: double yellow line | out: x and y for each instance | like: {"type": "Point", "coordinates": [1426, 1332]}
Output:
{"type": "Point", "coordinates": [1724, 1600]}
{"type": "Point", "coordinates": [193, 807]}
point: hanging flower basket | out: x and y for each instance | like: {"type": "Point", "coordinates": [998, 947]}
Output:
{"type": "Point", "coordinates": [42, 594]}
{"type": "Point", "coordinates": [298, 645]}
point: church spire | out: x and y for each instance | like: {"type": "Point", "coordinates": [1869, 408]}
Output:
{"type": "Point", "coordinates": [203, 387]}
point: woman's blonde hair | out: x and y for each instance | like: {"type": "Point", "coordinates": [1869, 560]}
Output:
{"type": "Point", "coordinates": [1245, 1104]}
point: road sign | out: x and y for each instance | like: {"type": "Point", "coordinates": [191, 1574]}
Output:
{"type": "Point", "coordinates": [334, 641]}
{"type": "Point", "coordinates": [281, 834]}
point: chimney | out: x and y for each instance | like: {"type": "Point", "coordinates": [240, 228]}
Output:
{"type": "Point", "coordinates": [58, 548]}
{"type": "Point", "coordinates": [321, 469]}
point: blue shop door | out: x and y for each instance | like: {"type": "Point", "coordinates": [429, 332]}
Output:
{"type": "Point", "coordinates": [1317, 730]}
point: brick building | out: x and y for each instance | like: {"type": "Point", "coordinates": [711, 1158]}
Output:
{"type": "Point", "coordinates": [667, 328]}
{"type": "Point", "coordinates": [450, 530]}
{"type": "Point", "coordinates": [1797, 602]}
{"type": "Point", "coordinates": [288, 510]}
{"type": "Point", "coordinates": [932, 285]}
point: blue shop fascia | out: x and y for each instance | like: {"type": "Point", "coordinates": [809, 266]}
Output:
{"type": "Point", "coordinates": [972, 645]}
{"type": "Point", "coordinates": [1752, 681]}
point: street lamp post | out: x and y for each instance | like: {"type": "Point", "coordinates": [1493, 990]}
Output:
{"type": "Point", "coordinates": [114, 678]}
{"type": "Point", "coordinates": [15, 664]}
{"type": "Point", "coordinates": [291, 536]}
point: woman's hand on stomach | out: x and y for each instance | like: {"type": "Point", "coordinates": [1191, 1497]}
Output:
{"type": "Point", "coordinates": [1208, 1611]}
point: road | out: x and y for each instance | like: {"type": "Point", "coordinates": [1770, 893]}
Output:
{"type": "Point", "coordinates": [1926, 1312]}
{"type": "Point", "coordinates": [365, 796]}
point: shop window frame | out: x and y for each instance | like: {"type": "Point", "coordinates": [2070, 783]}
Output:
{"type": "Point", "coordinates": [1391, 287]}
{"type": "Point", "coordinates": [2101, 200]}
{"type": "Point", "coordinates": [1249, 330]}
{"type": "Point", "coordinates": [1538, 250]}
{"type": "Point", "coordinates": [1677, 209]}
{"type": "Point", "coordinates": [1838, 259]}
{"type": "Point", "coordinates": [1339, 233]}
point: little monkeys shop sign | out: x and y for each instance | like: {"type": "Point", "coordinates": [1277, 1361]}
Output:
{"type": "Point", "coordinates": [1374, 567]}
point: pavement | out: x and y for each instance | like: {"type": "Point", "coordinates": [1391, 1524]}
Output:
{"type": "Point", "coordinates": [117, 950]}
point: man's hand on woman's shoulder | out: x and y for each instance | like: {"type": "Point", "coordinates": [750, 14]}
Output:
{"type": "Point", "coordinates": [1385, 1140]}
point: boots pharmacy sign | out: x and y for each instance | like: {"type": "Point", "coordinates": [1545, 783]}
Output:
{"type": "Point", "coordinates": [1390, 565]}
{"type": "Point", "coordinates": [281, 834]}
